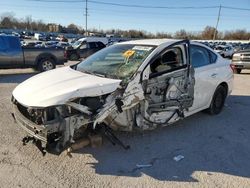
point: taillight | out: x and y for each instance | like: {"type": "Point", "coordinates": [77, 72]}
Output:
{"type": "Point", "coordinates": [232, 67]}
{"type": "Point", "coordinates": [65, 54]}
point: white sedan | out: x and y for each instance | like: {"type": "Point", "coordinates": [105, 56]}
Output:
{"type": "Point", "coordinates": [128, 86]}
{"type": "Point", "coordinates": [225, 50]}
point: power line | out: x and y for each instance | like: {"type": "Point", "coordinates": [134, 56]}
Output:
{"type": "Point", "coordinates": [235, 8]}
{"type": "Point", "coordinates": [124, 12]}
{"type": "Point", "coordinates": [145, 6]}
{"type": "Point", "coordinates": [156, 7]}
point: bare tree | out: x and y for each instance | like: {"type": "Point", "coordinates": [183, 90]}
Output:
{"type": "Point", "coordinates": [208, 33]}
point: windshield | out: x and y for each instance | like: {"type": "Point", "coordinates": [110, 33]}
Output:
{"type": "Point", "coordinates": [118, 61]}
{"type": "Point", "coordinates": [76, 44]}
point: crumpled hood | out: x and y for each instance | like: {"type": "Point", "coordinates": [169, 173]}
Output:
{"type": "Point", "coordinates": [57, 86]}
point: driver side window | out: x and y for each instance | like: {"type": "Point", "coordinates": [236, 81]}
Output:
{"type": "Point", "coordinates": [83, 46]}
{"type": "Point", "coordinates": [169, 60]}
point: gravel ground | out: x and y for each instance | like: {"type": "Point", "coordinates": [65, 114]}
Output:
{"type": "Point", "coordinates": [216, 150]}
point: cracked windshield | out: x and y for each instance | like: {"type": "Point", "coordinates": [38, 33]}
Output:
{"type": "Point", "coordinates": [119, 61]}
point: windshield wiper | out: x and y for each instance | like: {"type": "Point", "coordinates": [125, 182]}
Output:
{"type": "Point", "coordinates": [88, 72]}
{"type": "Point", "coordinates": [94, 73]}
{"type": "Point", "coordinates": [100, 74]}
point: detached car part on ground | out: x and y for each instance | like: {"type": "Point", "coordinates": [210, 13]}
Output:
{"type": "Point", "coordinates": [136, 85]}
{"type": "Point", "coordinates": [241, 60]}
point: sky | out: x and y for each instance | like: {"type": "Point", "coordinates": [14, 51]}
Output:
{"type": "Point", "coordinates": [103, 16]}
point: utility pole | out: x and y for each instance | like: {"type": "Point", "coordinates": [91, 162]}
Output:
{"type": "Point", "coordinates": [218, 19]}
{"type": "Point", "coordinates": [86, 17]}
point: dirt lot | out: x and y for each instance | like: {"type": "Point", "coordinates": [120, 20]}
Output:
{"type": "Point", "coordinates": [216, 150]}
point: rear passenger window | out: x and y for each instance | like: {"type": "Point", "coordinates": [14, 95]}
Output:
{"type": "Point", "coordinates": [199, 56]}
{"type": "Point", "coordinates": [100, 45]}
{"type": "Point", "coordinates": [213, 57]}
{"type": "Point", "coordinates": [92, 45]}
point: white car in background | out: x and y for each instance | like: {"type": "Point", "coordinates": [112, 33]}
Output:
{"type": "Point", "coordinates": [128, 86]}
{"type": "Point", "coordinates": [225, 50]}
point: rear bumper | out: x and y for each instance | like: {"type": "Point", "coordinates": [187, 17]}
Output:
{"type": "Point", "coordinates": [241, 64]}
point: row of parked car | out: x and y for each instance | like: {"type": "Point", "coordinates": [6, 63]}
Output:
{"type": "Point", "coordinates": [227, 49]}
{"type": "Point", "coordinates": [237, 51]}
{"type": "Point", "coordinates": [74, 50]}
{"type": "Point", "coordinates": [46, 55]}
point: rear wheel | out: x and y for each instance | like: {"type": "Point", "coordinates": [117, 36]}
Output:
{"type": "Point", "coordinates": [46, 64]}
{"type": "Point", "coordinates": [218, 101]}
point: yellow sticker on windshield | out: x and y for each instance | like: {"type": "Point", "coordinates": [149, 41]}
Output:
{"type": "Point", "coordinates": [128, 53]}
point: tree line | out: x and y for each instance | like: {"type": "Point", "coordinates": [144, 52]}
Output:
{"type": "Point", "coordinates": [8, 21]}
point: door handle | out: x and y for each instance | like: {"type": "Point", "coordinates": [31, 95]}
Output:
{"type": "Point", "coordinates": [214, 75]}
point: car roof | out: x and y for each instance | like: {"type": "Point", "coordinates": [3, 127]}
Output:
{"type": "Point", "coordinates": [153, 42]}
{"type": "Point", "coordinates": [158, 42]}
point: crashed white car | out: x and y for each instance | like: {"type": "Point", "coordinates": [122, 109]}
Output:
{"type": "Point", "coordinates": [135, 85]}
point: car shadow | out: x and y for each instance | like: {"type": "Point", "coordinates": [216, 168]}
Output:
{"type": "Point", "coordinates": [15, 77]}
{"type": "Point", "coordinates": [209, 144]}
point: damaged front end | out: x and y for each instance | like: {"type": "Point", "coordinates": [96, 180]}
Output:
{"type": "Point", "coordinates": [56, 128]}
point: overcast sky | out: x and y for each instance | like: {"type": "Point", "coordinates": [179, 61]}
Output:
{"type": "Point", "coordinates": [150, 19]}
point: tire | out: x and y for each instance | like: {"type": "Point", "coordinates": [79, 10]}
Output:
{"type": "Point", "coordinates": [46, 64]}
{"type": "Point", "coordinates": [237, 71]}
{"type": "Point", "coordinates": [74, 57]}
{"type": "Point", "coordinates": [218, 101]}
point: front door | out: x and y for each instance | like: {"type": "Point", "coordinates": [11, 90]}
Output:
{"type": "Point", "coordinates": [169, 91]}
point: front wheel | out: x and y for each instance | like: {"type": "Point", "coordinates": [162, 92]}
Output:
{"type": "Point", "coordinates": [46, 65]}
{"type": "Point", "coordinates": [218, 101]}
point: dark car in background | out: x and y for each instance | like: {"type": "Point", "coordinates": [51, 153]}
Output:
{"type": "Point", "coordinates": [13, 55]}
{"type": "Point", "coordinates": [83, 50]}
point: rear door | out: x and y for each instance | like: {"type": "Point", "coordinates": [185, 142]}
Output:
{"type": "Point", "coordinates": [83, 50]}
{"type": "Point", "coordinates": [92, 48]}
{"type": "Point", "coordinates": [170, 87]}
{"type": "Point", "coordinates": [206, 75]}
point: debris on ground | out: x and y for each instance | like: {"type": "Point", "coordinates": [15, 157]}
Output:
{"type": "Point", "coordinates": [93, 140]}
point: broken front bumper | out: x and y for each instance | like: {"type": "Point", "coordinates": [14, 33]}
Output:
{"type": "Point", "coordinates": [37, 131]}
